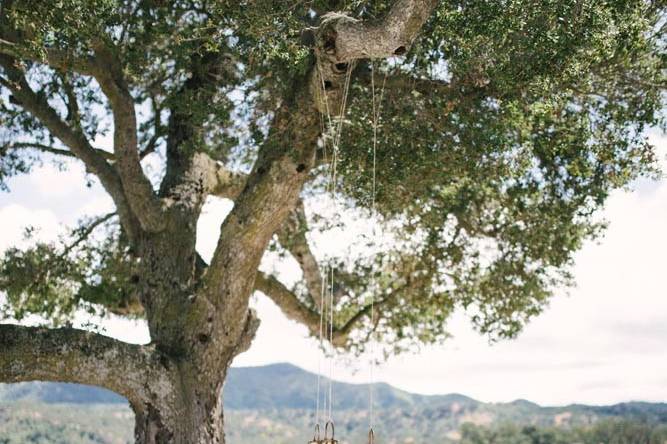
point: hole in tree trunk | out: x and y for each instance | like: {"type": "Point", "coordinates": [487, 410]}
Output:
{"type": "Point", "coordinates": [400, 50]}
{"type": "Point", "coordinates": [330, 45]}
{"type": "Point", "coordinates": [340, 67]}
{"type": "Point", "coordinates": [308, 38]}
{"type": "Point", "coordinates": [203, 338]}
{"type": "Point", "coordinates": [328, 85]}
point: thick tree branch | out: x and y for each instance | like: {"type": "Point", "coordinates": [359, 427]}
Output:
{"type": "Point", "coordinates": [270, 193]}
{"type": "Point", "coordinates": [274, 185]}
{"type": "Point", "coordinates": [341, 40]}
{"type": "Point", "coordinates": [140, 195]}
{"type": "Point", "coordinates": [71, 355]}
{"type": "Point", "coordinates": [95, 162]}
{"type": "Point", "coordinates": [347, 39]}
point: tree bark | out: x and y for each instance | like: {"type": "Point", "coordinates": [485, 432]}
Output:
{"type": "Point", "coordinates": [191, 414]}
{"type": "Point", "coordinates": [198, 316]}
{"type": "Point", "coordinates": [72, 355]}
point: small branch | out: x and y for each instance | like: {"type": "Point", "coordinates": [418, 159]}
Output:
{"type": "Point", "coordinates": [38, 146]}
{"type": "Point", "coordinates": [249, 331]}
{"type": "Point", "coordinates": [150, 146]}
{"type": "Point", "coordinates": [288, 302]}
{"type": "Point", "coordinates": [403, 82]}
{"type": "Point", "coordinates": [292, 236]}
{"type": "Point", "coordinates": [85, 232]}
{"type": "Point", "coordinates": [62, 60]}
{"type": "Point", "coordinates": [158, 131]}
{"type": "Point", "coordinates": [52, 150]}
{"type": "Point", "coordinates": [72, 355]}
{"type": "Point", "coordinates": [294, 309]}
{"type": "Point", "coordinates": [364, 311]}
{"type": "Point", "coordinates": [73, 116]}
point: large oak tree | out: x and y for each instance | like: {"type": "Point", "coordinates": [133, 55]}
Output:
{"type": "Point", "coordinates": [504, 126]}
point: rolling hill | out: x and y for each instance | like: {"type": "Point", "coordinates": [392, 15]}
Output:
{"type": "Point", "coordinates": [275, 403]}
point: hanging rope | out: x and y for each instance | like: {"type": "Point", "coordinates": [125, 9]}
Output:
{"type": "Point", "coordinates": [376, 108]}
{"type": "Point", "coordinates": [334, 197]}
{"type": "Point", "coordinates": [322, 288]}
{"type": "Point", "coordinates": [335, 130]}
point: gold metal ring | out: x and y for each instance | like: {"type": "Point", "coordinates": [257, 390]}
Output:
{"type": "Point", "coordinates": [326, 430]}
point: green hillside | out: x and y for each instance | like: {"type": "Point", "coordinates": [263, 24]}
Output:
{"type": "Point", "coordinates": [274, 404]}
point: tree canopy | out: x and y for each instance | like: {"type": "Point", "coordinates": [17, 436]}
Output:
{"type": "Point", "coordinates": [503, 127]}
{"type": "Point", "coordinates": [502, 132]}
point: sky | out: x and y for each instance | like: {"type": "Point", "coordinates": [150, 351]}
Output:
{"type": "Point", "coordinates": [602, 342]}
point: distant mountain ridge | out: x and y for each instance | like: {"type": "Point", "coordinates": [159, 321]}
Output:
{"type": "Point", "coordinates": [285, 385]}
{"type": "Point", "coordinates": [280, 385]}
{"type": "Point", "coordinates": [275, 404]}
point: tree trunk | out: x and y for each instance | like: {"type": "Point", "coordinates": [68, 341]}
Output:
{"type": "Point", "coordinates": [187, 407]}
{"type": "Point", "coordinates": [194, 425]}
{"type": "Point", "coordinates": [189, 413]}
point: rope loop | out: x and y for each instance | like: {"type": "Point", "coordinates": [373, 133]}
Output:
{"type": "Point", "coordinates": [326, 431]}
{"type": "Point", "coordinates": [317, 436]}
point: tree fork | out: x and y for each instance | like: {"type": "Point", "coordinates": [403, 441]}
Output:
{"type": "Point", "coordinates": [198, 315]}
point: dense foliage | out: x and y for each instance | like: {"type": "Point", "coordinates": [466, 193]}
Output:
{"type": "Point", "coordinates": [502, 132]}
{"type": "Point", "coordinates": [607, 431]}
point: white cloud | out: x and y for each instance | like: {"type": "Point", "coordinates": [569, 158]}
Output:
{"type": "Point", "coordinates": [15, 218]}
{"type": "Point", "coordinates": [50, 181]}
{"type": "Point", "coordinates": [61, 191]}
